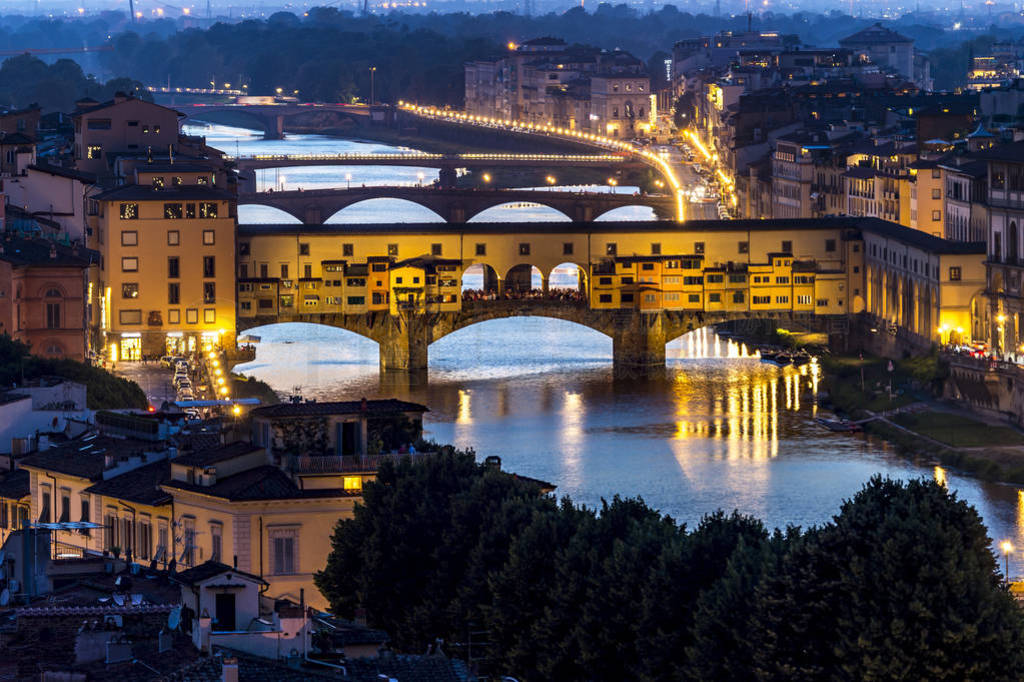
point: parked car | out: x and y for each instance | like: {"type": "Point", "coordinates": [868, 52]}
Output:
{"type": "Point", "coordinates": [167, 361]}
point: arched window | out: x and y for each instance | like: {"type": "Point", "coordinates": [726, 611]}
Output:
{"type": "Point", "coordinates": [52, 301]}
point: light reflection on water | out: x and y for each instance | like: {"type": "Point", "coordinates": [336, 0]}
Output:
{"type": "Point", "coordinates": [719, 430]}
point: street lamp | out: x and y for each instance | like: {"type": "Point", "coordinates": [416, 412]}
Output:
{"type": "Point", "coordinates": [348, 179]}
{"type": "Point", "coordinates": [551, 180]}
{"type": "Point", "coordinates": [1007, 548]}
{"type": "Point", "coordinates": [613, 182]}
{"type": "Point", "coordinates": [487, 178]}
{"type": "Point", "coordinates": [420, 176]}
{"type": "Point", "coordinates": [373, 70]}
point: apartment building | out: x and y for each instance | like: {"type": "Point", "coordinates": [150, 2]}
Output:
{"type": "Point", "coordinates": [166, 281]}
{"type": "Point", "coordinates": [122, 126]}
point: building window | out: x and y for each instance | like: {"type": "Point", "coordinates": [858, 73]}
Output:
{"type": "Point", "coordinates": [216, 541]}
{"type": "Point", "coordinates": [524, 249]}
{"type": "Point", "coordinates": [130, 211]}
{"type": "Point", "coordinates": [84, 502]}
{"type": "Point", "coordinates": [173, 237]}
{"type": "Point", "coordinates": [173, 212]}
{"type": "Point", "coordinates": [955, 273]}
{"type": "Point", "coordinates": [209, 266]}
{"type": "Point", "coordinates": [567, 248]}
{"type": "Point", "coordinates": [787, 246]}
{"type": "Point", "coordinates": [611, 249]}
{"type": "Point", "coordinates": [130, 290]}
{"type": "Point", "coordinates": [209, 237]}
{"type": "Point", "coordinates": [283, 561]}
{"type": "Point", "coordinates": [145, 539]}
{"type": "Point", "coordinates": [347, 250]}
{"type": "Point", "coordinates": [284, 271]}
{"type": "Point", "coordinates": [209, 315]}
{"type": "Point", "coordinates": [481, 249]}
{"type": "Point", "coordinates": [129, 264]}
{"type": "Point", "coordinates": [188, 552]}
{"type": "Point", "coordinates": [393, 250]}
{"type": "Point", "coordinates": [209, 292]}
{"type": "Point", "coordinates": [130, 316]}
{"type": "Point", "coordinates": [174, 293]}
{"type": "Point", "coordinates": [192, 315]}
{"type": "Point", "coordinates": [656, 249]}
{"type": "Point", "coordinates": [307, 271]}
{"type": "Point", "coordinates": [936, 193]}
{"type": "Point", "coordinates": [830, 245]}
{"type": "Point", "coordinates": [936, 216]}
{"type": "Point", "coordinates": [129, 238]}
{"type": "Point", "coordinates": [174, 316]}
{"type": "Point", "coordinates": [208, 209]}
{"type": "Point", "coordinates": [53, 315]}
{"type": "Point", "coordinates": [65, 505]}
{"type": "Point", "coordinates": [173, 267]}
{"type": "Point", "coordinates": [94, 151]}
{"type": "Point", "coordinates": [435, 249]}
{"type": "Point", "coordinates": [698, 248]}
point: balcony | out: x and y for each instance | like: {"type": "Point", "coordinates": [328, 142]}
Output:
{"type": "Point", "coordinates": [337, 464]}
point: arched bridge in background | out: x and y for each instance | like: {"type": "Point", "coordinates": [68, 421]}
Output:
{"type": "Point", "coordinates": [314, 207]}
{"type": "Point", "coordinates": [271, 117]}
{"type": "Point", "coordinates": [446, 163]}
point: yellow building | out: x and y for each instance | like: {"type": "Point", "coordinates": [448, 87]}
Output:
{"type": "Point", "coordinates": [166, 282]}
{"type": "Point", "coordinates": [425, 285]}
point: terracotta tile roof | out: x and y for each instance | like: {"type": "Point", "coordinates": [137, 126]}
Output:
{"type": "Point", "coordinates": [140, 485]}
{"type": "Point", "coordinates": [210, 569]}
{"type": "Point", "coordinates": [261, 483]}
{"type": "Point", "coordinates": [317, 409]}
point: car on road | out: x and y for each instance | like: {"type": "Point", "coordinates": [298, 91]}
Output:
{"type": "Point", "coordinates": [167, 361]}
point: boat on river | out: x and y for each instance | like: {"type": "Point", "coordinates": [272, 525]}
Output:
{"type": "Point", "coordinates": [839, 425]}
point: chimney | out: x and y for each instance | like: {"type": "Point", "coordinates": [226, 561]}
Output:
{"type": "Point", "coordinates": [229, 671]}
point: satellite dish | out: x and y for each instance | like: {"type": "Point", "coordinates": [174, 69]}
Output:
{"type": "Point", "coordinates": [5, 597]}
{"type": "Point", "coordinates": [174, 618]}
{"type": "Point", "coordinates": [119, 599]}
{"type": "Point", "coordinates": [136, 599]}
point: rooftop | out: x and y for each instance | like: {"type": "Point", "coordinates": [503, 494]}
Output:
{"type": "Point", "coordinates": [874, 35]}
{"type": "Point", "coordinates": [261, 483]}
{"type": "Point", "coordinates": [210, 569]}
{"type": "Point", "coordinates": [85, 457]}
{"type": "Point", "coordinates": [317, 409]}
{"type": "Point", "coordinates": [90, 106]}
{"type": "Point", "coordinates": [149, 193]}
{"type": "Point", "coordinates": [20, 250]}
{"type": "Point", "coordinates": [60, 171]}
{"type": "Point", "coordinates": [140, 485]}
{"type": "Point", "coordinates": [15, 485]}
{"type": "Point", "coordinates": [210, 456]}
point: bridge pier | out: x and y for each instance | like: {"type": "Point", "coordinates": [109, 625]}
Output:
{"type": "Point", "coordinates": [638, 344]}
{"type": "Point", "coordinates": [274, 131]}
{"type": "Point", "coordinates": [404, 343]}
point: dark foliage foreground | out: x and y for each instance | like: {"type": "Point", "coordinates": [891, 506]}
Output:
{"type": "Point", "coordinates": [900, 585]}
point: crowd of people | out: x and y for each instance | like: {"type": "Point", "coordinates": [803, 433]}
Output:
{"type": "Point", "coordinates": [512, 294]}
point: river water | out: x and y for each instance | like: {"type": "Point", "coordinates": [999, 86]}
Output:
{"type": "Point", "coordinates": [720, 429]}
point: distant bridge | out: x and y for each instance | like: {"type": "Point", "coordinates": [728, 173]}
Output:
{"type": "Point", "coordinates": [314, 207]}
{"type": "Point", "coordinates": [271, 117]}
{"type": "Point", "coordinates": [447, 163]}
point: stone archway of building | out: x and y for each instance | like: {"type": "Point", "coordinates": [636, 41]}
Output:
{"type": "Point", "coordinates": [480, 279]}
{"type": "Point", "coordinates": [523, 278]}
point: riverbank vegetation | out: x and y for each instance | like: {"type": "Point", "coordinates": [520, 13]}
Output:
{"type": "Point", "coordinates": [900, 584]}
{"type": "Point", "coordinates": [104, 390]}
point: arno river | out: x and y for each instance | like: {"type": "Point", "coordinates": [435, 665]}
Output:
{"type": "Point", "coordinates": [720, 430]}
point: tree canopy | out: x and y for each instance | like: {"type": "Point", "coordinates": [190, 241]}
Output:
{"type": "Point", "coordinates": [104, 390]}
{"type": "Point", "coordinates": [900, 585]}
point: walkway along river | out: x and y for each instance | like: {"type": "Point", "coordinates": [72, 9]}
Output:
{"type": "Point", "coordinates": [719, 430]}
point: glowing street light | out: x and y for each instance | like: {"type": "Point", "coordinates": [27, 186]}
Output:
{"type": "Point", "coordinates": [1007, 548]}
{"type": "Point", "coordinates": [348, 179]}
{"type": "Point", "coordinates": [487, 178]}
{"type": "Point", "coordinates": [613, 182]}
{"type": "Point", "coordinates": [420, 176]}
{"type": "Point", "coordinates": [551, 181]}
